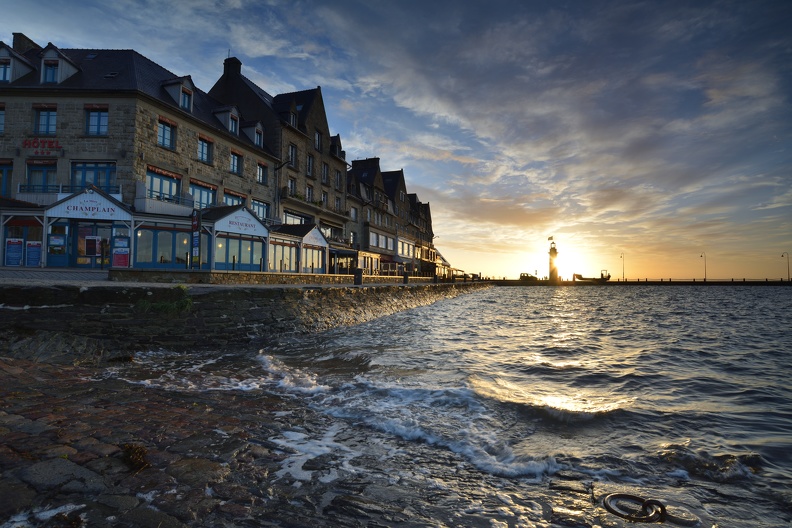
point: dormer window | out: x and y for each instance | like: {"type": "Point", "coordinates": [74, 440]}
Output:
{"type": "Point", "coordinates": [293, 119]}
{"type": "Point", "coordinates": [233, 124]}
{"type": "Point", "coordinates": [5, 70]}
{"type": "Point", "coordinates": [50, 74]}
{"type": "Point", "coordinates": [259, 138]}
{"type": "Point", "coordinates": [186, 99]}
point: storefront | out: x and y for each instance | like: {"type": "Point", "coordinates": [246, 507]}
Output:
{"type": "Point", "coordinates": [238, 237]}
{"type": "Point", "coordinates": [89, 229]}
{"type": "Point", "coordinates": [297, 248]}
{"type": "Point", "coordinates": [22, 234]}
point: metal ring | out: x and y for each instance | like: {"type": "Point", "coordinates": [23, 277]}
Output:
{"type": "Point", "coordinates": [647, 510]}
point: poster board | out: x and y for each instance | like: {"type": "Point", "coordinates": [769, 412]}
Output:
{"type": "Point", "coordinates": [14, 251]}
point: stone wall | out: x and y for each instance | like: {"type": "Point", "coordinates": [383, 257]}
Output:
{"type": "Point", "coordinates": [93, 325]}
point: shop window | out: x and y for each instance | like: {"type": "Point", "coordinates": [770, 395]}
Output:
{"type": "Point", "coordinates": [96, 122]}
{"type": "Point", "coordinates": [182, 248]}
{"type": "Point", "coordinates": [164, 247]}
{"type": "Point", "coordinates": [46, 120]}
{"type": "Point", "coordinates": [145, 246]}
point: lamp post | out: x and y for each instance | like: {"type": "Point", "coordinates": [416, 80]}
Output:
{"type": "Point", "coordinates": [786, 254]}
{"type": "Point", "coordinates": [705, 265]}
{"type": "Point", "coordinates": [622, 257]}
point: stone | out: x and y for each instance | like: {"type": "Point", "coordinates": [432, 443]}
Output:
{"type": "Point", "coordinates": [59, 472]}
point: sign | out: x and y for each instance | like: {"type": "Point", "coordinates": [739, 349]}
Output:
{"type": "Point", "coordinates": [33, 254]}
{"type": "Point", "coordinates": [93, 246]}
{"type": "Point", "coordinates": [89, 205]}
{"type": "Point", "coordinates": [14, 250]}
{"type": "Point", "coordinates": [196, 239]}
{"type": "Point", "coordinates": [42, 146]}
{"type": "Point", "coordinates": [241, 223]}
{"type": "Point", "coordinates": [120, 258]}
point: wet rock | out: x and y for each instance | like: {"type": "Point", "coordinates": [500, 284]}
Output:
{"type": "Point", "coordinates": [57, 472]}
{"type": "Point", "coordinates": [122, 503]}
{"type": "Point", "coordinates": [145, 517]}
{"type": "Point", "coordinates": [197, 472]}
{"type": "Point", "coordinates": [16, 496]}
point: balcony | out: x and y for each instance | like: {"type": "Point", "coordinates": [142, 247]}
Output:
{"type": "Point", "coordinates": [49, 194]}
{"type": "Point", "coordinates": [147, 201]}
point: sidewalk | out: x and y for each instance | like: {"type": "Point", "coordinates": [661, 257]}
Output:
{"type": "Point", "coordinates": [50, 276]}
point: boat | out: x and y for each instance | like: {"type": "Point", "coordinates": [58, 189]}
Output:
{"type": "Point", "coordinates": [602, 279]}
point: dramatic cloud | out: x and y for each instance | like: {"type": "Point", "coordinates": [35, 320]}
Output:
{"type": "Point", "coordinates": [656, 131]}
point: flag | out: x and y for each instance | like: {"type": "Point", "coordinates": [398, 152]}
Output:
{"type": "Point", "coordinates": [549, 238]}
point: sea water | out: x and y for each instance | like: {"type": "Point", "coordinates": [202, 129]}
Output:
{"type": "Point", "coordinates": [678, 393]}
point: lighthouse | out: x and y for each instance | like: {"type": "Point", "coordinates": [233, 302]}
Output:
{"type": "Point", "coordinates": [553, 267]}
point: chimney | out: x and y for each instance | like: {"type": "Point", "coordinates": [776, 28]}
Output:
{"type": "Point", "coordinates": [22, 44]}
{"type": "Point", "coordinates": [232, 67]}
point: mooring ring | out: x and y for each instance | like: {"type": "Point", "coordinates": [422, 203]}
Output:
{"type": "Point", "coordinates": [646, 510]}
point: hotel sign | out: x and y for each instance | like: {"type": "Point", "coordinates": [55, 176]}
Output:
{"type": "Point", "coordinates": [42, 146]}
{"type": "Point", "coordinates": [89, 206]}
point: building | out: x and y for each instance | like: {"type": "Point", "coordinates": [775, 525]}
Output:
{"type": "Point", "coordinates": [107, 154]}
{"type": "Point", "coordinates": [109, 159]}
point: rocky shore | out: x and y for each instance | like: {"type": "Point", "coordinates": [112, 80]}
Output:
{"type": "Point", "coordinates": [78, 448]}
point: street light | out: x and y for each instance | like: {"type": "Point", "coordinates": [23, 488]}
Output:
{"type": "Point", "coordinates": [786, 254]}
{"type": "Point", "coordinates": [622, 257]}
{"type": "Point", "coordinates": [705, 266]}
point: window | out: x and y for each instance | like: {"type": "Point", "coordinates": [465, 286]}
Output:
{"type": "Point", "coordinates": [166, 134]}
{"type": "Point", "coordinates": [162, 187]}
{"type": "Point", "coordinates": [292, 186]}
{"type": "Point", "coordinates": [50, 71]}
{"type": "Point", "coordinates": [233, 125]}
{"type": "Point", "coordinates": [338, 204]}
{"type": "Point", "coordinates": [318, 141]}
{"type": "Point", "coordinates": [96, 122]}
{"type": "Point", "coordinates": [203, 197]}
{"type": "Point", "coordinates": [309, 194]}
{"type": "Point", "coordinates": [101, 174]}
{"type": "Point", "coordinates": [309, 166]}
{"type": "Point", "coordinates": [353, 213]}
{"type": "Point", "coordinates": [5, 177]}
{"type": "Point", "coordinates": [261, 174]}
{"type": "Point", "coordinates": [232, 199]}
{"type": "Point", "coordinates": [259, 138]}
{"type": "Point", "coordinates": [41, 177]}
{"type": "Point", "coordinates": [2, 120]}
{"type": "Point", "coordinates": [46, 120]}
{"type": "Point", "coordinates": [325, 173]}
{"type": "Point", "coordinates": [338, 181]}
{"type": "Point", "coordinates": [5, 70]}
{"type": "Point", "coordinates": [293, 119]}
{"type": "Point", "coordinates": [260, 208]}
{"type": "Point", "coordinates": [186, 99]}
{"type": "Point", "coordinates": [205, 150]}
{"type": "Point", "coordinates": [236, 163]}
{"type": "Point", "coordinates": [324, 199]}
{"type": "Point", "coordinates": [293, 156]}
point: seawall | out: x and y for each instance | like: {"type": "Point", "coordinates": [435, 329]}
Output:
{"type": "Point", "coordinates": [94, 324]}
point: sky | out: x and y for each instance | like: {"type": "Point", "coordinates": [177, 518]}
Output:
{"type": "Point", "coordinates": [649, 138]}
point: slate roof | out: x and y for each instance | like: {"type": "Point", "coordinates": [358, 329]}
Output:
{"type": "Point", "coordinates": [297, 230]}
{"type": "Point", "coordinates": [123, 71]}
